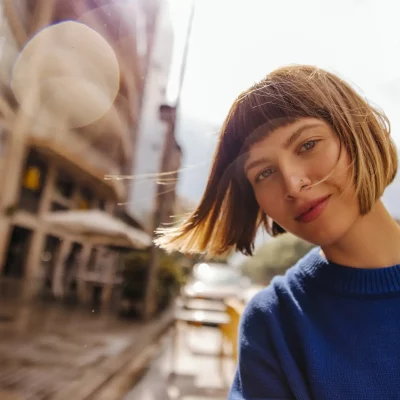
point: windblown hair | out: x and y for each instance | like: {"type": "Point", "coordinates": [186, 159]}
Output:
{"type": "Point", "coordinates": [228, 216]}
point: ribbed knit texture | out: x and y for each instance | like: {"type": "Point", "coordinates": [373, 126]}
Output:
{"type": "Point", "coordinates": [323, 331]}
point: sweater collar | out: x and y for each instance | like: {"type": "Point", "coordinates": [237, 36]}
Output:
{"type": "Point", "coordinates": [350, 280]}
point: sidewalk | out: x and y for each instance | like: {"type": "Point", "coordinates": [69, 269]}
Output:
{"type": "Point", "coordinates": [199, 373]}
{"type": "Point", "coordinates": [51, 352]}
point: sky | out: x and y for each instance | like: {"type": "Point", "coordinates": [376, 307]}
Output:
{"type": "Point", "coordinates": [235, 43]}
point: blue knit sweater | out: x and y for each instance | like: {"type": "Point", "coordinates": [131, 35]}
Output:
{"type": "Point", "coordinates": [323, 331]}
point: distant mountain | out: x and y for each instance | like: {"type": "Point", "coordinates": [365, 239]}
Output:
{"type": "Point", "coordinates": [197, 139]}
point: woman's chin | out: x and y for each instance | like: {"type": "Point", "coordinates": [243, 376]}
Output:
{"type": "Point", "coordinates": [322, 239]}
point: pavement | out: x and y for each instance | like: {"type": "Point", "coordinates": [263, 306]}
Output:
{"type": "Point", "coordinates": [49, 351]}
{"type": "Point", "coordinates": [199, 373]}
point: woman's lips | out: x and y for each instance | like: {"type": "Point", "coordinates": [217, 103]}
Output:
{"type": "Point", "coordinates": [314, 210]}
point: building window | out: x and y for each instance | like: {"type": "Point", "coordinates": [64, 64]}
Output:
{"type": "Point", "coordinates": [17, 252]}
{"type": "Point", "coordinates": [65, 185]}
{"type": "Point", "coordinates": [85, 199]}
{"type": "Point", "coordinates": [58, 207]}
{"type": "Point", "coordinates": [102, 204]}
{"type": "Point", "coordinates": [33, 180]}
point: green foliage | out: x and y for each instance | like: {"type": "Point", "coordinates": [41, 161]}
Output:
{"type": "Point", "coordinates": [134, 274]}
{"type": "Point", "coordinates": [222, 259]}
{"type": "Point", "coordinates": [275, 257]}
{"type": "Point", "coordinates": [170, 277]}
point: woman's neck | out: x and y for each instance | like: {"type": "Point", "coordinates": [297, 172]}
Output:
{"type": "Point", "coordinates": [372, 242]}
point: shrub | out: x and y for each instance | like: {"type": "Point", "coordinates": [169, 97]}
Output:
{"type": "Point", "coordinates": [170, 278]}
{"type": "Point", "coordinates": [275, 257]}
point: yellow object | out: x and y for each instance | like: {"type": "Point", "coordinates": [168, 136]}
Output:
{"type": "Point", "coordinates": [32, 178]}
{"type": "Point", "coordinates": [83, 204]}
{"type": "Point", "coordinates": [234, 309]}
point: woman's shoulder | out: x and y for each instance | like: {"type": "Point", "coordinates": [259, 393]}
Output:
{"type": "Point", "coordinates": [266, 301]}
{"type": "Point", "coordinates": [286, 288]}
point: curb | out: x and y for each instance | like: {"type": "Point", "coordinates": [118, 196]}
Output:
{"type": "Point", "coordinates": [122, 382]}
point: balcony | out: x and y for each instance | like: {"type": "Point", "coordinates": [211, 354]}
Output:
{"type": "Point", "coordinates": [70, 148]}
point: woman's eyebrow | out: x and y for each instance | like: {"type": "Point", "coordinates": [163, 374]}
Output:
{"type": "Point", "coordinates": [256, 163]}
{"type": "Point", "coordinates": [292, 138]}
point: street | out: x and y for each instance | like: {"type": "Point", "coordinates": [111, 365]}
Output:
{"type": "Point", "coordinates": [200, 373]}
{"type": "Point", "coordinates": [51, 351]}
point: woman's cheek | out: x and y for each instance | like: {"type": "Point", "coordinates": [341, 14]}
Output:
{"type": "Point", "coordinates": [271, 205]}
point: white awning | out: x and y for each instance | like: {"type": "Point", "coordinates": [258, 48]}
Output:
{"type": "Point", "coordinates": [100, 224]}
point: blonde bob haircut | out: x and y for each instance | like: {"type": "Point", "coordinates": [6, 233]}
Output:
{"type": "Point", "coordinates": [228, 216]}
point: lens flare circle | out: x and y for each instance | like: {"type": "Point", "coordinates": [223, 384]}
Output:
{"type": "Point", "coordinates": [67, 73]}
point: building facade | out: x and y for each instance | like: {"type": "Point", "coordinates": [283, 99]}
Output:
{"type": "Point", "coordinates": [45, 169]}
{"type": "Point", "coordinates": [152, 128]}
{"type": "Point", "coordinates": [156, 172]}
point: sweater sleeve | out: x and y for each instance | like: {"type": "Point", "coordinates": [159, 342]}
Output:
{"type": "Point", "coordinates": [258, 374]}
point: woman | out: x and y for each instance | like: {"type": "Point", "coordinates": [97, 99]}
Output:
{"type": "Point", "coordinates": [302, 152]}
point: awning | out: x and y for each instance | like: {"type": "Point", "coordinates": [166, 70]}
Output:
{"type": "Point", "coordinates": [99, 224]}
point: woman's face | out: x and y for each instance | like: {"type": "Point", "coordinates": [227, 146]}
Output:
{"type": "Point", "coordinates": [282, 169]}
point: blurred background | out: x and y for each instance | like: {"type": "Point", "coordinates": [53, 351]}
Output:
{"type": "Point", "coordinates": [109, 116]}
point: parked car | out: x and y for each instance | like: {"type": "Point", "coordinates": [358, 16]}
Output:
{"type": "Point", "coordinates": [213, 281]}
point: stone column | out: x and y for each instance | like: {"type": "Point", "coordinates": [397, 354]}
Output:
{"type": "Point", "coordinates": [32, 271]}
{"type": "Point", "coordinates": [57, 284]}
{"type": "Point", "coordinates": [106, 295]}
{"type": "Point", "coordinates": [83, 295]}
{"type": "Point", "coordinates": [11, 183]}
{"type": "Point", "coordinates": [108, 277]}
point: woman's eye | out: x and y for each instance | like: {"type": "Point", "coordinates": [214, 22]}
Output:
{"type": "Point", "coordinates": [308, 146]}
{"type": "Point", "coordinates": [265, 174]}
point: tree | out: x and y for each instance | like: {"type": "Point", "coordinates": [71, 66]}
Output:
{"type": "Point", "coordinates": [275, 257]}
{"type": "Point", "coordinates": [169, 279]}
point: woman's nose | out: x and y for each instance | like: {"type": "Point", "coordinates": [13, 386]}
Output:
{"type": "Point", "coordinates": [295, 184]}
